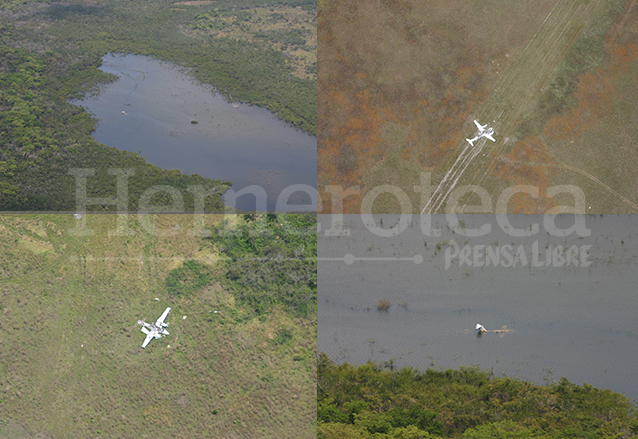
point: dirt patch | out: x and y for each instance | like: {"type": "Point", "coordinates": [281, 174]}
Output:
{"type": "Point", "coordinates": [36, 247]}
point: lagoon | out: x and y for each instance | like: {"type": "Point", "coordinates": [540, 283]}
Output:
{"type": "Point", "coordinates": [575, 320]}
{"type": "Point", "coordinates": [151, 108]}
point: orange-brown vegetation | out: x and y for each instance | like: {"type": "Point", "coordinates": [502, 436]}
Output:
{"type": "Point", "coordinates": [520, 167]}
{"type": "Point", "coordinates": [529, 161]}
{"type": "Point", "coordinates": [594, 94]}
{"type": "Point", "coordinates": [419, 65]}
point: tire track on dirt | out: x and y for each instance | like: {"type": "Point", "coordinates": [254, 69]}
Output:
{"type": "Point", "coordinates": [523, 79]}
{"type": "Point", "coordinates": [539, 80]}
{"type": "Point", "coordinates": [551, 58]}
{"type": "Point", "coordinates": [499, 94]}
{"type": "Point", "coordinates": [579, 171]}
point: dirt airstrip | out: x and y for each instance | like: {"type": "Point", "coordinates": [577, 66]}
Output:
{"type": "Point", "coordinates": [427, 71]}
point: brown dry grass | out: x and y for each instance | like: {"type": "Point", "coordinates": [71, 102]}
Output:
{"type": "Point", "coordinates": [429, 69]}
{"type": "Point", "coordinates": [383, 305]}
{"type": "Point", "coordinates": [572, 155]}
{"type": "Point", "coordinates": [422, 66]}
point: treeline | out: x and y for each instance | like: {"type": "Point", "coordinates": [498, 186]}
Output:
{"type": "Point", "coordinates": [380, 402]}
{"type": "Point", "coordinates": [266, 261]}
{"type": "Point", "coordinates": [42, 137]}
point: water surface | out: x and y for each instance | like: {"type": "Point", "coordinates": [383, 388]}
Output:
{"type": "Point", "coordinates": [149, 110]}
{"type": "Point", "coordinates": [574, 322]}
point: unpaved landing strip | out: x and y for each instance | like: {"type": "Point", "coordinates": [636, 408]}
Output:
{"type": "Point", "coordinates": [519, 86]}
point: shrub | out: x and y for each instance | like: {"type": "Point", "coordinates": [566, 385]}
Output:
{"type": "Point", "coordinates": [383, 305]}
{"type": "Point", "coordinates": [188, 278]}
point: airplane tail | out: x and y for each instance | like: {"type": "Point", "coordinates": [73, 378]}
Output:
{"type": "Point", "coordinates": [470, 141]}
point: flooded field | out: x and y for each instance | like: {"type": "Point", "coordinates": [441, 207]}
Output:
{"type": "Point", "coordinates": [176, 123]}
{"type": "Point", "coordinates": [415, 299]}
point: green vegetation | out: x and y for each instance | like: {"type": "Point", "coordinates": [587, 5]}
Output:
{"type": "Point", "coordinates": [54, 54]}
{"type": "Point", "coordinates": [271, 261]}
{"type": "Point", "coordinates": [188, 278]}
{"type": "Point", "coordinates": [71, 364]}
{"type": "Point", "coordinates": [586, 53]}
{"type": "Point", "coordinates": [42, 136]}
{"type": "Point", "coordinates": [370, 402]}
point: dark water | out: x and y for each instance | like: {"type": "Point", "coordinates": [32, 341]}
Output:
{"type": "Point", "coordinates": [243, 144]}
{"type": "Point", "coordinates": [575, 322]}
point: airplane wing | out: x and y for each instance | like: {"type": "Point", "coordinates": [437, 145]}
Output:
{"type": "Point", "coordinates": [149, 337]}
{"type": "Point", "coordinates": [145, 331]}
{"type": "Point", "coordinates": [478, 125]}
{"type": "Point", "coordinates": [490, 137]}
{"type": "Point", "coordinates": [163, 317]}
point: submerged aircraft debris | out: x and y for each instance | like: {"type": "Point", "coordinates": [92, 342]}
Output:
{"type": "Point", "coordinates": [481, 329]}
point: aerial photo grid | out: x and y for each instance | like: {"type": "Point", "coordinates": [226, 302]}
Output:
{"type": "Point", "coordinates": [332, 219]}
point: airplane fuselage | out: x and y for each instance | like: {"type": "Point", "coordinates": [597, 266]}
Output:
{"type": "Point", "coordinates": [484, 131]}
{"type": "Point", "coordinates": [154, 330]}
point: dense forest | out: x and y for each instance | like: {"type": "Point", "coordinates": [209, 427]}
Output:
{"type": "Point", "coordinates": [381, 402]}
{"type": "Point", "coordinates": [50, 52]}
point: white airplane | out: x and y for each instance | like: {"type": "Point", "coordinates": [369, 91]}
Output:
{"type": "Point", "coordinates": [484, 131]}
{"type": "Point", "coordinates": [481, 329]}
{"type": "Point", "coordinates": [154, 330]}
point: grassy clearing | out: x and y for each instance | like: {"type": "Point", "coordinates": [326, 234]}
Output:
{"type": "Point", "coordinates": [70, 358]}
{"type": "Point", "coordinates": [523, 80]}
{"type": "Point", "coordinates": [559, 61]}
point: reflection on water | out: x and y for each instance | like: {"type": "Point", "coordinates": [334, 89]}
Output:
{"type": "Point", "coordinates": [576, 322]}
{"type": "Point", "coordinates": [151, 108]}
